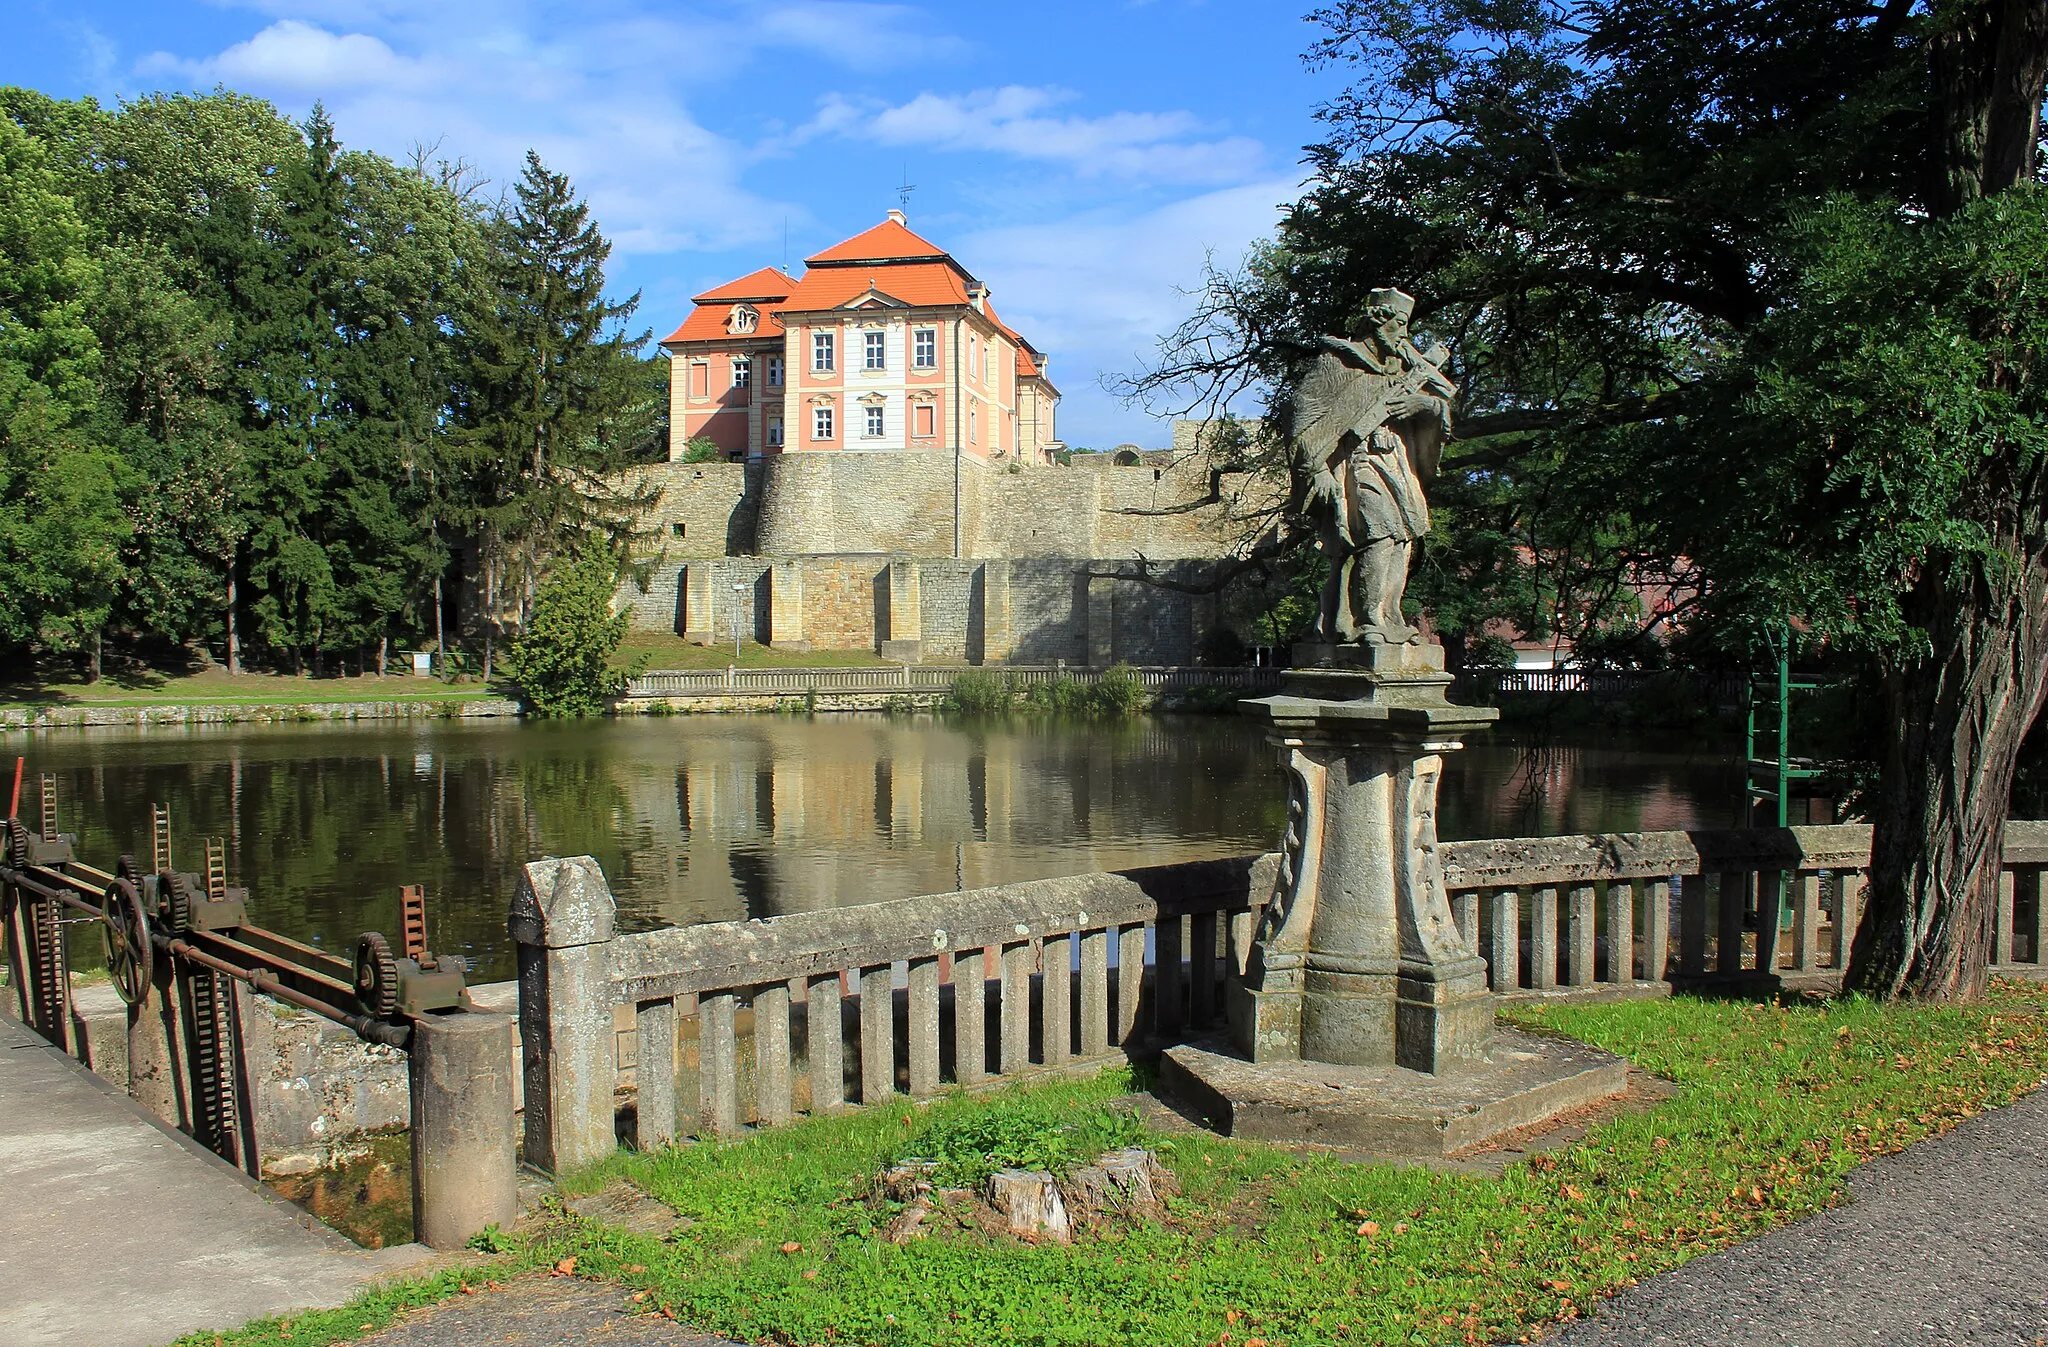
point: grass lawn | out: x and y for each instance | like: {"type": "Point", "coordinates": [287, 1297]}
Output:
{"type": "Point", "coordinates": [665, 650]}
{"type": "Point", "coordinates": [1267, 1246]}
{"type": "Point", "coordinates": [151, 688]}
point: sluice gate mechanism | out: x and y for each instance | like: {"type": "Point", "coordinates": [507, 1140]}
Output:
{"type": "Point", "coordinates": [179, 946]}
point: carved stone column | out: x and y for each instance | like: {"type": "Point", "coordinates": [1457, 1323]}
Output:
{"type": "Point", "coordinates": [1358, 960]}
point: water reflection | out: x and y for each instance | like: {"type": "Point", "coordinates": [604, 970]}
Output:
{"type": "Point", "coordinates": [712, 818]}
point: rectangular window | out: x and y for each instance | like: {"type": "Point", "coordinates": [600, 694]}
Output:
{"type": "Point", "coordinates": [821, 352]}
{"type": "Point", "coordinates": [775, 434]}
{"type": "Point", "coordinates": [926, 353]}
{"type": "Point", "coordinates": [876, 351]}
{"type": "Point", "coordinates": [742, 371]}
{"type": "Point", "coordinates": [700, 380]}
{"type": "Point", "coordinates": [775, 371]}
{"type": "Point", "coordinates": [821, 423]}
{"type": "Point", "coordinates": [873, 428]}
{"type": "Point", "coordinates": [925, 421]}
{"type": "Point", "coordinates": [973, 436]}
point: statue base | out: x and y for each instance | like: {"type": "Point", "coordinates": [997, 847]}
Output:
{"type": "Point", "coordinates": [1391, 1112]}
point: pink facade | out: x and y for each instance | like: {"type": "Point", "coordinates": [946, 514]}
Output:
{"type": "Point", "coordinates": [885, 343]}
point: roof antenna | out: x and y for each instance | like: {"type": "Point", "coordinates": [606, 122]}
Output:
{"type": "Point", "coordinates": [903, 192]}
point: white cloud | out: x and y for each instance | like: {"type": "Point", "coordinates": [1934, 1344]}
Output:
{"type": "Point", "coordinates": [297, 57]}
{"type": "Point", "coordinates": [1097, 291]}
{"type": "Point", "coordinates": [1017, 120]}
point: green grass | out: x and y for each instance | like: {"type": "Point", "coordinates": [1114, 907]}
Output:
{"type": "Point", "coordinates": [1775, 1106]}
{"type": "Point", "coordinates": [217, 688]}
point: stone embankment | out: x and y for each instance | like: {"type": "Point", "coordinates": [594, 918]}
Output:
{"type": "Point", "coordinates": [265, 713]}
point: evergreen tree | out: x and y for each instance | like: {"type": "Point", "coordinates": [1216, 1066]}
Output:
{"type": "Point", "coordinates": [550, 382]}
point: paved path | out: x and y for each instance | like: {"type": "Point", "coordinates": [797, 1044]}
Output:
{"type": "Point", "coordinates": [117, 1232]}
{"type": "Point", "coordinates": [1943, 1243]}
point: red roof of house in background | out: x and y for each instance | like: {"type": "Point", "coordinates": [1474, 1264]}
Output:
{"type": "Point", "coordinates": [769, 283]}
{"type": "Point", "coordinates": [707, 322]}
{"type": "Point", "coordinates": [1027, 363]}
{"type": "Point", "coordinates": [886, 242]}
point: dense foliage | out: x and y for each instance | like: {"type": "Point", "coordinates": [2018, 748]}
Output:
{"type": "Point", "coordinates": [1747, 304]}
{"type": "Point", "coordinates": [266, 394]}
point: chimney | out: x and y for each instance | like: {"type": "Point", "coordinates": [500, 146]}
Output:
{"type": "Point", "coordinates": [899, 217]}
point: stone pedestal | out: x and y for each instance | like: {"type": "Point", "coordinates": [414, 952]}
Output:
{"type": "Point", "coordinates": [1358, 961]}
{"type": "Point", "coordinates": [1364, 1018]}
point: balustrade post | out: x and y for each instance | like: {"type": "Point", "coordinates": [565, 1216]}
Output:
{"type": "Point", "coordinates": [1543, 938]}
{"type": "Point", "coordinates": [1621, 931]}
{"type": "Point", "coordinates": [1506, 970]}
{"type": "Point", "coordinates": [2002, 927]}
{"type": "Point", "coordinates": [1656, 929]}
{"type": "Point", "coordinates": [563, 920]}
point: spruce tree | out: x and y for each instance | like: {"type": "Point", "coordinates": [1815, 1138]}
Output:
{"type": "Point", "coordinates": [550, 382]}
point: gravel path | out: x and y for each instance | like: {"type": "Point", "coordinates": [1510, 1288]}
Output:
{"type": "Point", "coordinates": [1943, 1243]}
{"type": "Point", "coordinates": [539, 1311]}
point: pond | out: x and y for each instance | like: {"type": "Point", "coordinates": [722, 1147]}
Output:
{"type": "Point", "coordinates": [711, 818]}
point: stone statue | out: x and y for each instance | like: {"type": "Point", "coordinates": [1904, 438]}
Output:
{"type": "Point", "coordinates": [1368, 427]}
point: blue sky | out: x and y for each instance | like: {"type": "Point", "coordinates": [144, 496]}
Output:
{"type": "Point", "coordinates": [1080, 158]}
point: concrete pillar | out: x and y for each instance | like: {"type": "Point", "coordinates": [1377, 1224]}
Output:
{"type": "Point", "coordinates": [1361, 961]}
{"type": "Point", "coordinates": [997, 639]}
{"type": "Point", "coordinates": [464, 1152]}
{"type": "Point", "coordinates": [1101, 622]}
{"type": "Point", "coordinates": [152, 1045]}
{"type": "Point", "coordinates": [699, 623]}
{"type": "Point", "coordinates": [786, 605]}
{"type": "Point", "coordinates": [563, 917]}
{"type": "Point", "coordinates": [905, 641]}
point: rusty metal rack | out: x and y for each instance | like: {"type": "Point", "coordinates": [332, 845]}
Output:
{"type": "Point", "coordinates": [187, 937]}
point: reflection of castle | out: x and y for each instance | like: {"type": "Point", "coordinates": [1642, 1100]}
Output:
{"type": "Point", "coordinates": [765, 816]}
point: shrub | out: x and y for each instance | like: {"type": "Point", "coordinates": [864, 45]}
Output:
{"type": "Point", "coordinates": [1119, 692]}
{"type": "Point", "coordinates": [561, 663]}
{"type": "Point", "coordinates": [978, 695]}
{"type": "Point", "coordinates": [703, 450]}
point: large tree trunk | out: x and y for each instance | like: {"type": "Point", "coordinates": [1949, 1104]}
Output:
{"type": "Point", "coordinates": [234, 635]}
{"type": "Point", "coordinates": [1956, 722]}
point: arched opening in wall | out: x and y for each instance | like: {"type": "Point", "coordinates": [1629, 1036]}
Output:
{"type": "Point", "coordinates": [1125, 458]}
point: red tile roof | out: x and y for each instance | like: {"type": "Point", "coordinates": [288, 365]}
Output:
{"type": "Point", "coordinates": [886, 242]}
{"type": "Point", "coordinates": [915, 283]}
{"type": "Point", "coordinates": [767, 284]}
{"type": "Point", "coordinates": [1027, 364]}
{"type": "Point", "coordinates": [707, 322]}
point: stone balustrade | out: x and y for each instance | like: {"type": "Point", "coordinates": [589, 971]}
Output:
{"type": "Point", "coordinates": [925, 678]}
{"type": "Point", "coordinates": [754, 1022]}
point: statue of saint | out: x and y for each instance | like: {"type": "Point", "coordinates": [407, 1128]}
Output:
{"type": "Point", "coordinates": [1368, 428]}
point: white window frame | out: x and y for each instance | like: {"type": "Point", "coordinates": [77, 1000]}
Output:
{"type": "Point", "coordinates": [775, 434]}
{"type": "Point", "coordinates": [775, 371]}
{"type": "Point", "coordinates": [874, 351]}
{"type": "Point", "coordinates": [824, 352]}
{"type": "Point", "coordinates": [925, 343]}
{"type": "Point", "coordinates": [742, 371]}
{"type": "Point", "coordinates": [973, 425]}
{"type": "Point", "coordinates": [821, 423]}
{"type": "Point", "coordinates": [874, 421]}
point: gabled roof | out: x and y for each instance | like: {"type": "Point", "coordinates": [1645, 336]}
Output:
{"type": "Point", "coordinates": [767, 284]}
{"type": "Point", "coordinates": [886, 242]}
{"type": "Point", "coordinates": [1028, 356]}
{"type": "Point", "coordinates": [918, 284]}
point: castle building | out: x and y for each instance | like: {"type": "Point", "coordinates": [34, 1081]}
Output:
{"type": "Point", "coordinates": [885, 343]}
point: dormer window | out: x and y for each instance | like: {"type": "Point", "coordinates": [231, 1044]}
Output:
{"type": "Point", "coordinates": [744, 318]}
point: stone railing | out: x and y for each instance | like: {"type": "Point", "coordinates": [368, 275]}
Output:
{"type": "Point", "coordinates": [752, 1022]}
{"type": "Point", "coordinates": [924, 678]}
{"type": "Point", "coordinates": [1586, 913]}
{"type": "Point", "coordinates": [1603, 682]}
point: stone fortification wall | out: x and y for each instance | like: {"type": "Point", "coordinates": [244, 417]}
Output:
{"type": "Point", "coordinates": [1030, 610]}
{"type": "Point", "coordinates": [706, 509]}
{"type": "Point", "coordinates": [903, 502]}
